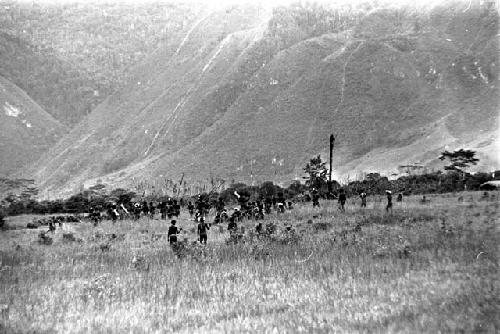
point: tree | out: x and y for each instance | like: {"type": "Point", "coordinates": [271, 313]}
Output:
{"type": "Point", "coordinates": [459, 160]}
{"type": "Point", "coordinates": [268, 189]}
{"type": "Point", "coordinates": [316, 173]}
{"type": "Point", "coordinates": [296, 188]}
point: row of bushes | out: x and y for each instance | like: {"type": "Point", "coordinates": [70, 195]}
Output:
{"type": "Point", "coordinates": [373, 184]}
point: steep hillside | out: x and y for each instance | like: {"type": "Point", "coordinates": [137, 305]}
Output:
{"type": "Point", "coordinates": [66, 92]}
{"type": "Point", "coordinates": [70, 57]}
{"type": "Point", "coordinates": [251, 96]}
{"type": "Point", "coordinates": [26, 130]}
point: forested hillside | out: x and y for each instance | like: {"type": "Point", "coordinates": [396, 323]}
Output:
{"type": "Point", "coordinates": [252, 94]}
{"type": "Point", "coordinates": [70, 57]}
{"type": "Point", "coordinates": [26, 130]}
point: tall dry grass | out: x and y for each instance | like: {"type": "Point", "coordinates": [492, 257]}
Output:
{"type": "Point", "coordinates": [429, 267]}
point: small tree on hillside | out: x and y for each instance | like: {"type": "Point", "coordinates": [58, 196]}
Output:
{"type": "Point", "coordinates": [459, 160]}
{"type": "Point", "coordinates": [316, 173]}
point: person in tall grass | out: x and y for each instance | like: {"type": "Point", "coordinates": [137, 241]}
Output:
{"type": "Point", "coordinates": [145, 208]}
{"type": "Point", "coordinates": [268, 203]}
{"type": "Point", "coordinates": [281, 207]}
{"type": "Point", "coordinates": [191, 209]}
{"type": "Point", "coordinates": [137, 211]}
{"type": "Point", "coordinates": [203, 231]}
{"type": "Point", "coordinates": [389, 201]}
{"type": "Point", "coordinates": [113, 213]}
{"type": "Point", "coordinates": [342, 200]}
{"type": "Point", "coordinates": [232, 227]}
{"type": "Point", "coordinates": [173, 231]}
{"type": "Point", "coordinates": [315, 197]}
{"type": "Point", "coordinates": [363, 199]}
{"type": "Point", "coordinates": [152, 210]}
{"type": "Point", "coordinates": [163, 210]}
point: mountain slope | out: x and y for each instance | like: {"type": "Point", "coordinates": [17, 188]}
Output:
{"type": "Point", "coordinates": [26, 130]}
{"type": "Point", "coordinates": [250, 96]}
{"type": "Point", "coordinates": [70, 57]}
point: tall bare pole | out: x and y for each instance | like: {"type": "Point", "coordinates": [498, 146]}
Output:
{"type": "Point", "coordinates": [332, 142]}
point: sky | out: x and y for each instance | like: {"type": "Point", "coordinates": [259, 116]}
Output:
{"type": "Point", "coordinates": [222, 3]}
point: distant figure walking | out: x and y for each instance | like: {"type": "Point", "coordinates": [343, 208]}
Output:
{"type": "Point", "coordinates": [191, 209]}
{"type": "Point", "coordinates": [389, 201]}
{"type": "Point", "coordinates": [137, 211]}
{"type": "Point", "coordinates": [281, 207]}
{"type": "Point", "coordinates": [363, 199]}
{"type": "Point", "coordinates": [424, 200]}
{"type": "Point", "coordinates": [202, 231]}
{"type": "Point", "coordinates": [232, 227]}
{"type": "Point", "coordinates": [152, 210]}
{"type": "Point", "coordinates": [113, 212]}
{"type": "Point", "coordinates": [400, 197]}
{"type": "Point", "coordinates": [342, 200]}
{"type": "Point", "coordinates": [95, 215]}
{"type": "Point", "coordinates": [315, 197]}
{"type": "Point", "coordinates": [173, 231]}
{"type": "Point", "coordinates": [145, 208]}
{"type": "Point", "coordinates": [163, 210]}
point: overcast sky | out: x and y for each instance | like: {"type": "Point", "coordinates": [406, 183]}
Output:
{"type": "Point", "coordinates": [221, 3]}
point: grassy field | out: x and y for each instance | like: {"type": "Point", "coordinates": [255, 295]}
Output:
{"type": "Point", "coordinates": [429, 267]}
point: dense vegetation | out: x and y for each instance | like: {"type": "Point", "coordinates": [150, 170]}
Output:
{"type": "Point", "coordinates": [23, 202]}
{"type": "Point", "coordinates": [70, 57]}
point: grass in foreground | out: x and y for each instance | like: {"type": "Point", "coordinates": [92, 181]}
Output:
{"type": "Point", "coordinates": [400, 273]}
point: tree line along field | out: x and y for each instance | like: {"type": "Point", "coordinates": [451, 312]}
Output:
{"type": "Point", "coordinates": [427, 267]}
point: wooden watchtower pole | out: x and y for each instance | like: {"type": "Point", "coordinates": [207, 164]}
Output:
{"type": "Point", "coordinates": [332, 142]}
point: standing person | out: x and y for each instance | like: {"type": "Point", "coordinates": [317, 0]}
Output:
{"type": "Point", "coordinates": [268, 203]}
{"type": "Point", "coordinates": [281, 207]}
{"type": "Point", "coordinates": [173, 231]}
{"type": "Point", "coordinates": [113, 212]}
{"type": "Point", "coordinates": [177, 208]}
{"type": "Point", "coordinates": [237, 215]}
{"type": "Point", "coordinates": [124, 210]}
{"type": "Point", "coordinates": [191, 209]}
{"type": "Point", "coordinates": [220, 205]}
{"type": "Point", "coordinates": [281, 203]}
{"type": "Point", "coordinates": [315, 197]}
{"type": "Point", "coordinates": [202, 231]}
{"type": "Point", "coordinates": [389, 201]}
{"type": "Point", "coordinates": [217, 218]}
{"type": "Point", "coordinates": [145, 208]}
{"type": "Point", "coordinates": [342, 200]}
{"type": "Point", "coordinates": [224, 216]}
{"type": "Point", "coordinates": [163, 210]}
{"type": "Point", "coordinates": [400, 197]}
{"type": "Point", "coordinates": [95, 215]}
{"type": "Point", "coordinates": [363, 199]}
{"type": "Point", "coordinates": [137, 211]}
{"type": "Point", "coordinates": [232, 227]}
{"type": "Point", "coordinates": [152, 210]}
{"type": "Point", "coordinates": [259, 228]}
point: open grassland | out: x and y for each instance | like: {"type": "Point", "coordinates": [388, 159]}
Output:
{"type": "Point", "coordinates": [427, 267]}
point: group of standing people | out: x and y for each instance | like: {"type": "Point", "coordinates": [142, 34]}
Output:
{"type": "Point", "coordinates": [253, 210]}
{"type": "Point", "coordinates": [198, 210]}
{"type": "Point", "coordinates": [342, 199]}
